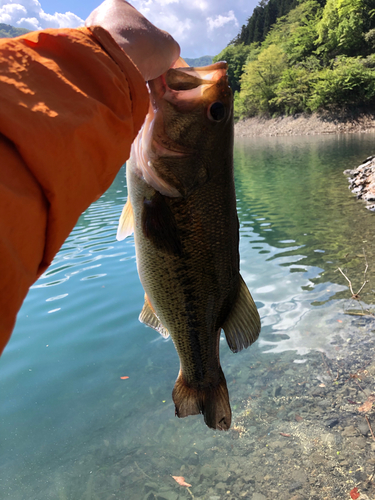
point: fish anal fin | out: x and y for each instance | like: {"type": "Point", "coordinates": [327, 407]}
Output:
{"type": "Point", "coordinates": [212, 401]}
{"type": "Point", "coordinates": [148, 317]}
{"type": "Point", "coordinates": [126, 222]}
{"type": "Point", "coordinates": [242, 325]}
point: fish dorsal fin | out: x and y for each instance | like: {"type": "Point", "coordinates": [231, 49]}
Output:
{"type": "Point", "coordinates": [242, 325]}
{"type": "Point", "coordinates": [126, 222]}
{"type": "Point", "coordinates": [149, 318]}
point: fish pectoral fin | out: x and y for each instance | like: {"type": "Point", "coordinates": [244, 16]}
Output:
{"type": "Point", "coordinates": [148, 317]}
{"type": "Point", "coordinates": [126, 222]}
{"type": "Point", "coordinates": [242, 325]}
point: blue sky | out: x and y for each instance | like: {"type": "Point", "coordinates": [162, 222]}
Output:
{"type": "Point", "coordinates": [202, 27]}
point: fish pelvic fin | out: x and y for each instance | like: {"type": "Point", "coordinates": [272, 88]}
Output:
{"type": "Point", "coordinates": [212, 401]}
{"type": "Point", "coordinates": [242, 326]}
{"type": "Point", "coordinates": [126, 222]}
{"type": "Point", "coordinates": [149, 318]}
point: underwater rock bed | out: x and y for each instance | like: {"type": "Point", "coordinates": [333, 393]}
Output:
{"type": "Point", "coordinates": [303, 431]}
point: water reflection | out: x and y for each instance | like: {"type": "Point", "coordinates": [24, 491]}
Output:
{"type": "Point", "coordinates": [294, 206]}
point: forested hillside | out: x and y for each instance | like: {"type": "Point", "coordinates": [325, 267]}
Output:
{"type": "Point", "coordinates": [320, 55]}
{"type": "Point", "coordinates": [199, 61]}
{"type": "Point", "coordinates": [262, 19]}
{"type": "Point", "coordinates": [8, 31]}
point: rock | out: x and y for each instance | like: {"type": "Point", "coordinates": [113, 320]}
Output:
{"type": "Point", "coordinates": [220, 486]}
{"type": "Point", "coordinates": [360, 476]}
{"type": "Point", "coordinates": [276, 444]}
{"type": "Point", "coordinates": [289, 452]}
{"type": "Point", "coordinates": [349, 431]}
{"type": "Point", "coordinates": [317, 458]}
{"type": "Point", "coordinates": [276, 391]}
{"type": "Point", "coordinates": [362, 180]}
{"type": "Point", "coordinates": [363, 497]}
{"type": "Point", "coordinates": [331, 422]}
{"type": "Point", "coordinates": [252, 429]}
{"type": "Point", "coordinates": [149, 496]}
{"type": "Point", "coordinates": [360, 442]}
{"type": "Point", "coordinates": [258, 496]}
{"type": "Point", "coordinates": [363, 428]}
{"type": "Point", "coordinates": [150, 487]}
{"type": "Point", "coordinates": [193, 459]}
{"type": "Point", "coordinates": [317, 391]}
{"type": "Point", "coordinates": [299, 476]}
{"type": "Point", "coordinates": [168, 495]}
{"type": "Point", "coordinates": [127, 471]}
{"type": "Point", "coordinates": [250, 479]}
{"type": "Point", "coordinates": [259, 476]}
{"type": "Point", "coordinates": [295, 486]}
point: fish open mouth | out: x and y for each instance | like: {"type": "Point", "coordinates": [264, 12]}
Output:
{"type": "Point", "coordinates": [183, 83]}
{"type": "Point", "coordinates": [183, 87]}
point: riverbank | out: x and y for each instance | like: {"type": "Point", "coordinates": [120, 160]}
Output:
{"type": "Point", "coordinates": [304, 124]}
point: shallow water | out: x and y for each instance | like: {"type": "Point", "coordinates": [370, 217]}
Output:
{"type": "Point", "coordinates": [71, 428]}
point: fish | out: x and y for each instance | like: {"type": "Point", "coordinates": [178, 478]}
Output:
{"type": "Point", "coordinates": [182, 208]}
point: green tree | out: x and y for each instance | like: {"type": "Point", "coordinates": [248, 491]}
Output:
{"type": "Point", "coordinates": [342, 27]}
{"type": "Point", "coordinates": [351, 82]}
{"type": "Point", "coordinates": [236, 56]}
{"type": "Point", "coordinates": [293, 90]}
{"type": "Point", "coordinates": [259, 82]}
{"type": "Point", "coordinates": [296, 32]}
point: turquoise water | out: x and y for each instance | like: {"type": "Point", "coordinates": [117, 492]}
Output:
{"type": "Point", "coordinates": [72, 428]}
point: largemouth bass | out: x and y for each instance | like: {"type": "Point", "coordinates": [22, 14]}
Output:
{"type": "Point", "coordinates": [182, 207]}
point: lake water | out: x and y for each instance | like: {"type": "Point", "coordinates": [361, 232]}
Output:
{"type": "Point", "coordinates": [72, 428]}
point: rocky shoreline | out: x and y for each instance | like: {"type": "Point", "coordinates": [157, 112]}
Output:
{"type": "Point", "coordinates": [305, 124]}
{"type": "Point", "coordinates": [362, 182]}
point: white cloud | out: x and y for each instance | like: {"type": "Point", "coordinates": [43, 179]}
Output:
{"type": "Point", "coordinates": [29, 14]}
{"type": "Point", "coordinates": [219, 21]}
{"type": "Point", "coordinates": [198, 4]}
{"type": "Point", "coordinates": [166, 2]}
{"type": "Point", "coordinates": [180, 29]}
{"type": "Point", "coordinates": [202, 27]}
{"type": "Point", "coordinates": [9, 12]}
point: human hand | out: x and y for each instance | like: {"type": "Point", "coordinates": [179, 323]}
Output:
{"type": "Point", "coordinates": [152, 50]}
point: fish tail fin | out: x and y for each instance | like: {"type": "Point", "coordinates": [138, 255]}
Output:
{"type": "Point", "coordinates": [212, 401]}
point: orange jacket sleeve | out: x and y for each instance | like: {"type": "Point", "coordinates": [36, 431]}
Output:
{"type": "Point", "coordinates": [71, 103]}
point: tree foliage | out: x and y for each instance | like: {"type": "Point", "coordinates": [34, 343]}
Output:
{"type": "Point", "coordinates": [236, 57]}
{"type": "Point", "coordinates": [262, 20]}
{"type": "Point", "coordinates": [319, 55]}
{"type": "Point", "coordinates": [260, 80]}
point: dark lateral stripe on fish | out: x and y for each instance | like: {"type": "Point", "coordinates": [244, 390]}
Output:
{"type": "Point", "coordinates": [159, 225]}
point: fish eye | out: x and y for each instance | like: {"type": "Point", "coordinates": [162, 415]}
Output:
{"type": "Point", "coordinates": [216, 111]}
